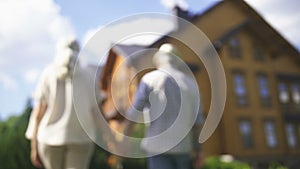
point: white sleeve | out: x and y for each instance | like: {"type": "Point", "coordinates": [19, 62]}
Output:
{"type": "Point", "coordinates": [41, 93]}
{"type": "Point", "coordinates": [140, 100]}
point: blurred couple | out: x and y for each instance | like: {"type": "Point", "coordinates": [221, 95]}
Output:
{"type": "Point", "coordinates": [58, 140]}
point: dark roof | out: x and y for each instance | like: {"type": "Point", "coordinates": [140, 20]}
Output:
{"type": "Point", "coordinates": [261, 27]}
{"type": "Point", "coordinates": [128, 50]}
{"type": "Point", "coordinates": [134, 54]}
{"type": "Point", "coordinates": [256, 23]}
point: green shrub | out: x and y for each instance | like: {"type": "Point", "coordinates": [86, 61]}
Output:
{"type": "Point", "coordinates": [14, 148]}
{"type": "Point", "coordinates": [216, 163]}
{"type": "Point", "coordinates": [275, 165]}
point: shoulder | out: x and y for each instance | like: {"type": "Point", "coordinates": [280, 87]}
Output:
{"type": "Point", "coordinates": [153, 76]}
{"type": "Point", "coordinates": [82, 73]}
{"type": "Point", "coordinates": [149, 76]}
{"type": "Point", "coordinates": [82, 77]}
{"type": "Point", "coordinates": [46, 73]}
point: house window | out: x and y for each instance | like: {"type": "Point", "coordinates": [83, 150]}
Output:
{"type": "Point", "coordinates": [295, 93]}
{"type": "Point", "coordinates": [240, 88]}
{"type": "Point", "coordinates": [291, 135]}
{"type": "Point", "coordinates": [264, 91]}
{"type": "Point", "coordinates": [258, 52]}
{"type": "Point", "coordinates": [234, 47]}
{"type": "Point", "coordinates": [270, 133]}
{"type": "Point", "coordinates": [246, 134]}
{"type": "Point", "coordinates": [283, 93]}
{"type": "Point", "coordinates": [299, 130]}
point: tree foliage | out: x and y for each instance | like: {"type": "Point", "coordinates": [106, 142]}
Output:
{"type": "Point", "coordinates": [216, 163]}
{"type": "Point", "coordinates": [14, 148]}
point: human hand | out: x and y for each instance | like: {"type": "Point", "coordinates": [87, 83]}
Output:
{"type": "Point", "coordinates": [115, 161]}
{"type": "Point", "coordinates": [34, 156]}
{"type": "Point", "coordinates": [198, 161]}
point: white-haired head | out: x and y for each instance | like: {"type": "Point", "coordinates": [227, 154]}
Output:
{"type": "Point", "coordinates": [67, 50]}
{"type": "Point", "coordinates": [167, 55]}
{"type": "Point", "coordinates": [68, 42]}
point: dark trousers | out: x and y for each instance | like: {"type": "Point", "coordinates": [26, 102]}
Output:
{"type": "Point", "coordinates": [170, 161]}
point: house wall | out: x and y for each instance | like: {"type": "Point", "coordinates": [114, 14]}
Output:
{"type": "Point", "coordinates": [118, 93]}
{"type": "Point", "coordinates": [213, 24]}
{"type": "Point", "coordinates": [227, 138]}
{"type": "Point", "coordinates": [226, 17]}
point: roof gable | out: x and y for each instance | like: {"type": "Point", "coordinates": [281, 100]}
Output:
{"type": "Point", "coordinates": [127, 50]}
{"type": "Point", "coordinates": [277, 43]}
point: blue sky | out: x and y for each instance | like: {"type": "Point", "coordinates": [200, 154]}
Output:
{"type": "Point", "coordinates": [30, 29]}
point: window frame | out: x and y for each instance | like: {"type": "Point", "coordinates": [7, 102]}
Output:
{"type": "Point", "coordinates": [235, 50]}
{"type": "Point", "coordinates": [274, 134]}
{"type": "Point", "coordinates": [247, 139]}
{"type": "Point", "coordinates": [292, 92]}
{"type": "Point", "coordinates": [294, 135]}
{"type": "Point", "coordinates": [287, 92]}
{"type": "Point", "coordinates": [238, 98]}
{"type": "Point", "coordinates": [265, 101]}
{"type": "Point", "coordinates": [259, 54]}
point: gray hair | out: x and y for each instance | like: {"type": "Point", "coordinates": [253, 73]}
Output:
{"type": "Point", "coordinates": [167, 55]}
{"type": "Point", "coordinates": [66, 56]}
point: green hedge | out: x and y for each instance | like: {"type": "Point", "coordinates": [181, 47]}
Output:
{"type": "Point", "coordinates": [15, 149]}
{"type": "Point", "coordinates": [216, 163]}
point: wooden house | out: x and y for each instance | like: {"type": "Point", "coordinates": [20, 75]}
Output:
{"type": "Point", "coordinates": [261, 120]}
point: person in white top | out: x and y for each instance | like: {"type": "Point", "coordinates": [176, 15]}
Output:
{"type": "Point", "coordinates": [57, 139]}
{"type": "Point", "coordinates": [173, 100]}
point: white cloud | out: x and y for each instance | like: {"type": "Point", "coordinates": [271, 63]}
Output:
{"type": "Point", "coordinates": [29, 30]}
{"type": "Point", "coordinates": [8, 82]}
{"type": "Point", "coordinates": [284, 16]}
{"type": "Point", "coordinates": [170, 4]}
{"type": "Point", "coordinates": [31, 75]}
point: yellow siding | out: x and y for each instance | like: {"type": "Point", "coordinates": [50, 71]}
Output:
{"type": "Point", "coordinates": [227, 138]}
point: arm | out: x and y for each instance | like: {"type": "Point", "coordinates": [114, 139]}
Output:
{"type": "Point", "coordinates": [196, 130]}
{"type": "Point", "coordinates": [197, 154]}
{"type": "Point", "coordinates": [41, 96]}
{"type": "Point", "coordinates": [128, 129]}
{"type": "Point", "coordinates": [140, 100]}
{"type": "Point", "coordinates": [38, 112]}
